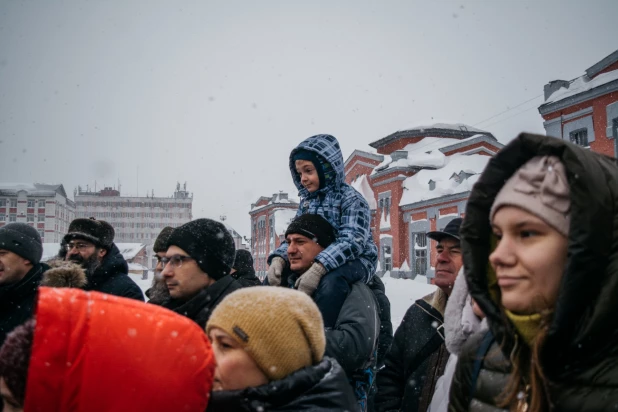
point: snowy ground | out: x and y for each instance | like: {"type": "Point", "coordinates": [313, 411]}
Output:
{"type": "Point", "coordinates": [401, 292]}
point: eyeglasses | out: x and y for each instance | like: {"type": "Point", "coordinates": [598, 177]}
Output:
{"type": "Point", "coordinates": [78, 246]}
{"type": "Point", "coordinates": [175, 261]}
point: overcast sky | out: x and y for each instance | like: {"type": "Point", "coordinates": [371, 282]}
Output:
{"type": "Point", "coordinates": [218, 93]}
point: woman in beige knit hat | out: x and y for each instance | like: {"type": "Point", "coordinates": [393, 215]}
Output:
{"type": "Point", "coordinates": [269, 348]}
{"type": "Point", "coordinates": [540, 246]}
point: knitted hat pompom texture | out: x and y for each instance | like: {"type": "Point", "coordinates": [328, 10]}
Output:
{"type": "Point", "coordinates": [280, 328]}
{"type": "Point", "coordinates": [208, 242]}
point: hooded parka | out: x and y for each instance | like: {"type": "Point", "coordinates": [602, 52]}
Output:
{"type": "Point", "coordinates": [580, 354]}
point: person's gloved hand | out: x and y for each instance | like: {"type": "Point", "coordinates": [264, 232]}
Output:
{"type": "Point", "coordinates": [274, 271]}
{"type": "Point", "coordinates": [309, 280]}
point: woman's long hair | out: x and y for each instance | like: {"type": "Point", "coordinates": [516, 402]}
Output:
{"type": "Point", "coordinates": [527, 382]}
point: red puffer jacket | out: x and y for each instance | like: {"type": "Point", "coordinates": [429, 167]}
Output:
{"type": "Point", "coordinates": [96, 352]}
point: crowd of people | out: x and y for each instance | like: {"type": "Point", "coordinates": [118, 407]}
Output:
{"type": "Point", "coordinates": [522, 318]}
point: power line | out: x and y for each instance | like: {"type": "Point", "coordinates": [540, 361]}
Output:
{"type": "Point", "coordinates": [508, 110]}
{"type": "Point", "coordinates": [510, 117]}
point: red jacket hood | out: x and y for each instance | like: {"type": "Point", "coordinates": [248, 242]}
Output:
{"type": "Point", "coordinates": [96, 352]}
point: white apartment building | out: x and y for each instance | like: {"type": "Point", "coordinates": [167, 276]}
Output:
{"type": "Point", "coordinates": [42, 206]}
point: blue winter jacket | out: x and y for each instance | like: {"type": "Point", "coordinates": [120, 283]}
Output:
{"type": "Point", "coordinates": [339, 203]}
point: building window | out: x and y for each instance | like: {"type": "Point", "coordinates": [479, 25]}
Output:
{"type": "Point", "coordinates": [30, 217]}
{"type": "Point", "coordinates": [2, 218]}
{"type": "Point", "coordinates": [41, 218]}
{"type": "Point", "coordinates": [13, 217]}
{"type": "Point", "coordinates": [420, 253]}
{"type": "Point", "coordinates": [579, 137]}
{"type": "Point", "coordinates": [42, 203]}
{"type": "Point", "coordinates": [42, 234]}
{"type": "Point", "coordinates": [30, 203]}
{"type": "Point", "coordinates": [13, 202]}
{"type": "Point", "coordinates": [388, 258]}
{"type": "Point", "coordinates": [2, 202]}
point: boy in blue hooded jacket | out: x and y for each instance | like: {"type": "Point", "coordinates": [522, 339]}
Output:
{"type": "Point", "coordinates": [317, 169]}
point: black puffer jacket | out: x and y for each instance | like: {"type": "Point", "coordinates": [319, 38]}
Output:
{"type": "Point", "coordinates": [322, 387]}
{"type": "Point", "coordinates": [199, 308]}
{"type": "Point", "coordinates": [111, 277]}
{"type": "Point", "coordinates": [17, 300]}
{"type": "Point", "coordinates": [580, 355]}
{"type": "Point", "coordinates": [416, 359]}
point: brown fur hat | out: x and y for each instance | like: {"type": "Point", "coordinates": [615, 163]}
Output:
{"type": "Point", "coordinates": [64, 274]}
{"type": "Point", "coordinates": [98, 232]}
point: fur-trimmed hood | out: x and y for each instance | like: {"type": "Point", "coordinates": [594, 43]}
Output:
{"type": "Point", "coordinates": [460, 322]}
{"type": "Point", "coordinates": [64, 274]}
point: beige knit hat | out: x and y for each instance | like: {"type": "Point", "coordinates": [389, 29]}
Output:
{"type": "Point", "coordinates": [540, 187]}
{"type": "Point", "coordinates": [281, 328]}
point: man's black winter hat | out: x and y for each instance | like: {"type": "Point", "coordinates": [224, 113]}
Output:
{"type": "Point", "coordinates": [314, 227]}
{"type": "Point", "coordinates": [98, 232]}
{"type": "Point", "coordinates": [244, 262]}
{"type": "Point", "coordinates": [451, 230]}
{"type": "Point", "coordinates": [23, 240]}
{"type": "Point", "coordinates": [160, 245]}
{"type": "Point", "coordinates": [209, 243]}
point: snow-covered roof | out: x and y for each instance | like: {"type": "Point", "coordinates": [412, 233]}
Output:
{"type": "Point", "coordinates": [582, 84]}
{"type": "Point", "coordinates": [416, 188]}
{"type": "Point", "coordinates": [362, 153]}
{"type": "Point", "coordinates": [33, 189]}
{"type": "Point", "coordinates": [129, 250]}
{"type": "Point", "coordinates": [362, 186]}
{"type": "Point", "coordinates": [444, 126]}
{"type": "Point", "coordinates": [283, 218]}
{"type": "Point", "coordinates": [276, 199]}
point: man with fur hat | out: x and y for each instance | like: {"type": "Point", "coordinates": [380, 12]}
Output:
{"type": "Point", "coordinates": [90, 243]}
{"type": "Point", "coordinates": [196, 269]}
{"type": "Point", "coordinates": [158, 292]}
{"type": "Point", "coordinates": [243, 270]}
{"type": "Point", "coordinates": [418, 355]}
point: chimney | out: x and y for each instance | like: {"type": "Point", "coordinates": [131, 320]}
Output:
{"type": "Point", "coordinates": [283, 196]}
{"type": "Point", "coordinates": [553, 86]}
{"type": "Point", "coordinates": [399, 154]}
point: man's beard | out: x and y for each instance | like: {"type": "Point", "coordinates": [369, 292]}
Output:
{"type": "Point", "coordinates": [90, 264]}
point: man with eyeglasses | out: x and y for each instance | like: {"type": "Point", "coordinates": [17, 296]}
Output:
{"type": "Point", "coordinates": [196, 269]}
{"type": "Point", "coordinates": [418, 355]}
{"type": "Point", "coordinates": [20, 274]}
{"type": "Point", "coordinates": [158, 291]}
{"type": "Point", "coordinates": [90, 243]}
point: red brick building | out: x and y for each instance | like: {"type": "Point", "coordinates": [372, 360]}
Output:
{"type": "Point", "coordinates": [419, 179]}
{"type": "Point", "coordinates": [585, 110]}
{"type": "Point", "coordinates": [270, 217]}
